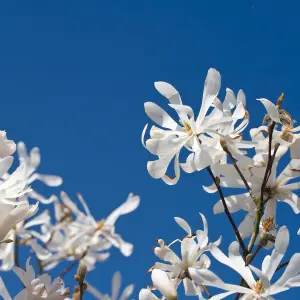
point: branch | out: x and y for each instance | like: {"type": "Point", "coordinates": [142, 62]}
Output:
{"type": "Point", "coordinates": [282, 265]}
{"type": "Point", "coordinates": [260, 202]}
{"type": "Point", "coordinates": [233, 160]}
{"type": "Point", "coordinates": [228, 214]}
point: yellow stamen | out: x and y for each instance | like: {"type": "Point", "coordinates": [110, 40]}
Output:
{"type": "Point", "coordinates": [188, 128]}
{"type": "Point", "coordinates": [258, 287]}
{"type": "Point", "coordinates": [268, 224]}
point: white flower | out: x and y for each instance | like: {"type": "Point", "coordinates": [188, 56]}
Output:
{"type": "Point", "coordinates": [32, 161]}
{"type": "Point", "coordinates": [258, 289]}
{"type": "Point", "coordinates": [277, 188]}
{"type": "Point", "coordinates": [167, 144]}
{"type": "Point", "coordinates": [192, 253]}
{"type": "Point", "coordinates": [84, 238]}
{"type": "Point", "coordinates": [36, 288]}
{"type": "Point", "coordinates": [116, 285]}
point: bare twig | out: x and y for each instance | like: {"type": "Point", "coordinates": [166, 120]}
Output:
{"type": "Point", "coordinates": [233, 160]}
{"type": "Point", "coordinates": [260, 202]}
{"type": "Point", "coordinates": [282, 265]}
{"type": "Point", "coordinates": [228, 214]}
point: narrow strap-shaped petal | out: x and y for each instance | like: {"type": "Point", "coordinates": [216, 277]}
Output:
{"type": "Point", "coordinates": [183, 224]}
{"type": "Point", "coordinates": [281, 244]}
{"type": "Point", "coordinates": [116, 285]}
{"type": "Point", "coordinates": [159, 116]}
{"type": "Point", "coordinates": [212, 87]}
{"type": "Point", "coordinates": [168, 91]}
{"type": "Point", "coordinates": [271, 109]}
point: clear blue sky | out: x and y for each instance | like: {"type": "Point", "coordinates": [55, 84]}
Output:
{"type": "Point", "coordinates": [74, 76]}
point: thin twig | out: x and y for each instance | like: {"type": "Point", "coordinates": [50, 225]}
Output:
{"type": "Point", "coordinates": [73, 264]}
{"type": "Point", "coordinates": [206, 291]}
{"type": "Point", "coordinates": [260, 204]}
{"type": "Point", "coordinates": [228, 214]}
{"type": "Point", "coordinates": [282, 265]}
{"type": "Point", "coordinates": [16, 250]}
{"type": "Point", "coordinates": [233, 160]}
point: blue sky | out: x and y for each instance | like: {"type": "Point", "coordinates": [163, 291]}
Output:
{"type": "Point", "coordinates": [73, 79]}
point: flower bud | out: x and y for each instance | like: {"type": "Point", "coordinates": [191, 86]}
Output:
{"type": "Point", "coordinates": [81, 273]}
{"type": "Point", "coordinates": [162, 282]}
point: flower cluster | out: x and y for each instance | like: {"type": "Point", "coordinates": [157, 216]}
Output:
{"type": "Point", "coordinates": [214, 141]}
{"type": "Point", "coordinates": [62, 232]}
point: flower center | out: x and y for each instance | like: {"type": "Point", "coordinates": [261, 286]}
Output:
{"type": "Point", "coordinates": [258, 287]}
{"type": "Point", "coordinates": [187, 128]}
{"type": "Point", "coordinates": [268, 224]}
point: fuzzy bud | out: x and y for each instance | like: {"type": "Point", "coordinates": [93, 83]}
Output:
{"type": "Point", "coordinates": [81, 273]}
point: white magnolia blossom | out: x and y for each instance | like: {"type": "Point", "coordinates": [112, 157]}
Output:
{"type": "Point", "coordinates": [115, 293]}
{"type": "Point", "coordinates": [257, 289]}
{"type": "Point", "coordinates": [193, 247]}
{"type": "Point", "coordinates": [36, 288]}
{"type": "Point", "coordinates": [203, 136]}
{"type": "Point", "coordinates": [84, 238]}
{"type": "Point", "coordinates": [32, 162]}
{"type": "Point", "coordinates": [277, 189]}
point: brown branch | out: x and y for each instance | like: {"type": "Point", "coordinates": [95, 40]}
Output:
{"type": "Point", "coordinates": [233, 160]}
{"type": "Point", "coordinates": [228, 214]}
{"type": "Point", "coordinates": [282, 265]}
{"type": "Point", "coordinates": [260, 202]}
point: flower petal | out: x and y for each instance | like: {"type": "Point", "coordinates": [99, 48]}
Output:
{"type": "Point", "coordinates": [168, 91]}
{"type": "Point", "coordinates": [271, 109]}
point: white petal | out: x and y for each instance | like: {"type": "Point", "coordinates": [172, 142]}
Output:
{"type": "Point", "coordinates": [35, 157]}
{"type": "Point", "coordinates": [168, 91]}
{"type": "Point", "coordinates": [127, 292]}
{"type": "Point", "coordinates": [158, 168]}
{"type": "Point", "coordinates": [162, 282]}
{"type": "Point", "coordinates": [127, 207]}
{"type": "Point", "coordinates": [50, 180]}
{"type": "Point", "coordinates": [173, 180]}
{"type": "Point", "coordinates": [5, 164]}
{"type": "Point", "coordinates": [116, 285]}
{"type": "Point", "coordinates": [271, 109]}
{"type": "Point", "coordinates": [281, 244]}
{"type": "Point", "coordinates": [184, 225]}
{"type": "Point", "coordinates": [212, 86]}
{"type": "Point", "coordinates": [159, 116]}
{"type": "Point", "coordinates": [146, 294]}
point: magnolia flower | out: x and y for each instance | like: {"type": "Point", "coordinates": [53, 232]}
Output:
{"type": "Point", "coordinates": [257, 289]}
{"type": "Point", "coordinates": [116, 285]}
{"type": "Point", "coordinates": [277, 188]}
{"type": "Point", "coordinates": [36, 288]}
{"type": "Point", "coordinates": [167, 144]}
{"type": "Point", "coordinates": [192, 253]}
{"type": "Point", "coordinates": [31, 162]}
{"type": "Point", "coordinates": [84, 238]}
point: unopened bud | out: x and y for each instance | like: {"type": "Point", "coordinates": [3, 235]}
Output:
{"type": "Point", "coordinates": [6, 241]}
{"type": "Point", "coordinates": [279, 100]}
{"type": "Point", "coordinates": [249, 259]}
{"type": "Point", "coordinates": [81, 273]}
